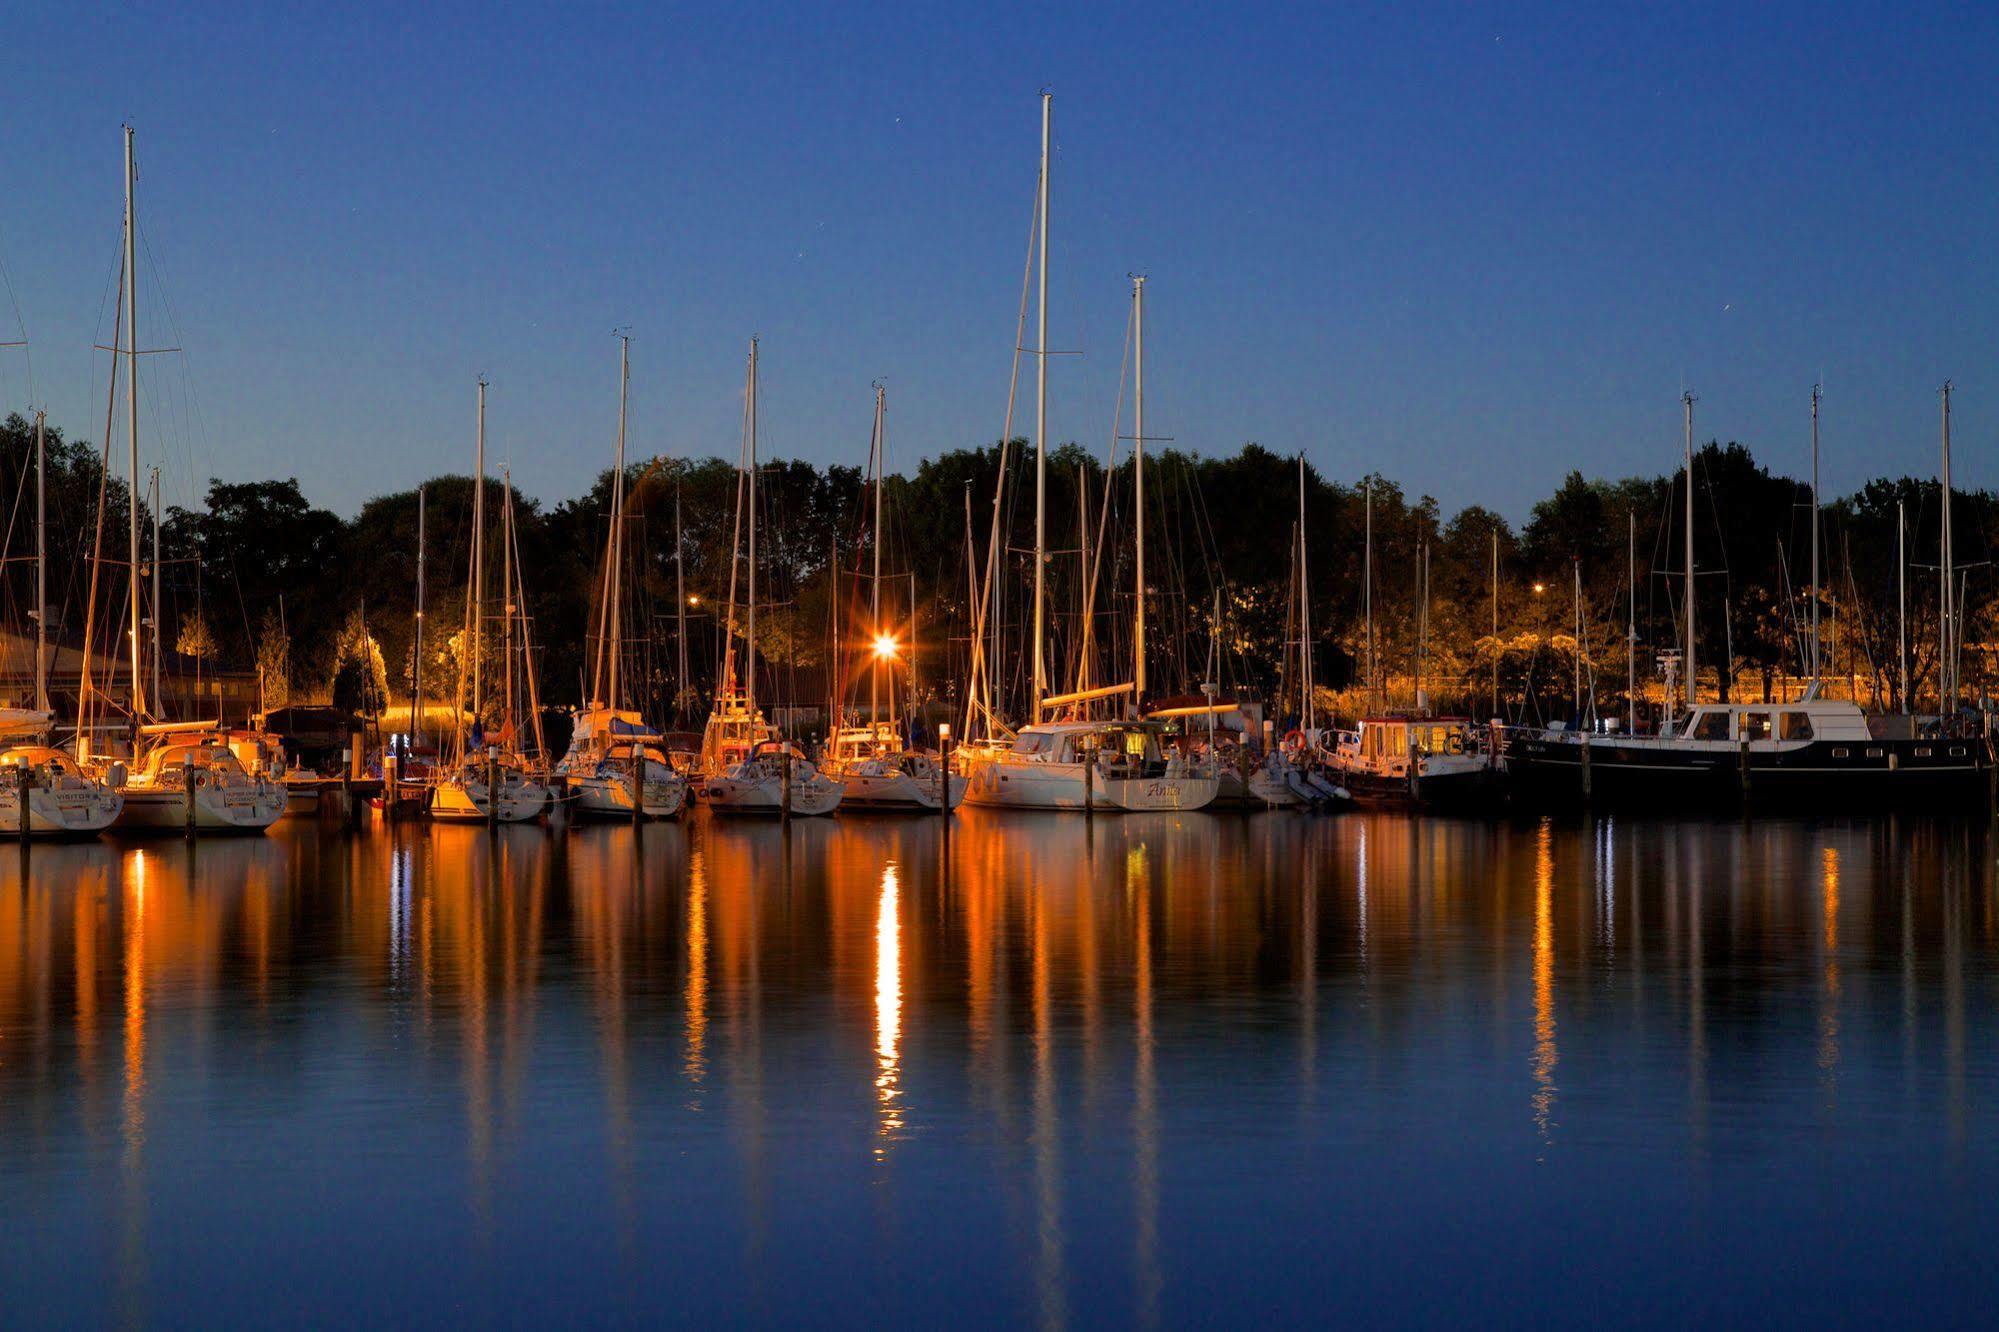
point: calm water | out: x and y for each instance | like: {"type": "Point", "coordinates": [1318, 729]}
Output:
{"type": "Point", "coordinates": [1159, 1070]}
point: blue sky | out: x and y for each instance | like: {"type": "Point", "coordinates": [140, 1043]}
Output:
{"type": "Point", "coordinates": [1471, 246]}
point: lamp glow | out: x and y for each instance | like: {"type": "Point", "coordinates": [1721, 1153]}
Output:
{"type": "Point", "coordinates": [885, 646]}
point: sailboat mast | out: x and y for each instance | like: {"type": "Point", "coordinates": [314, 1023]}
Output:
{"type": "Point", "coordinates": [132, 415]}
{"type": "Point", "coordinates": [41, 563]}
{"type": "Point", "coordinates": [680, 605]}
{"type": "Point", "coordinates": [1367, 586]}
{"type": "Point", "coordinates": [1946, 627]}
{"type": "Point", "coordinates": [1687, 402]}
{"type": "Point", "coordinates": [1495, 623]}
{"type": "Point", "coordinates": [1631, 622]}
{"type": "Point", "coordinates": [875, 586]}
{"type": "Point", "coordinates": [1304, 611]}
{"type": "Point", "coordinates": [1041, 425]}
{"type": "Point", "coordinates": [1902, 605]}
{"type": "Point", "coordinates": [507, 592]}
{"type": "Point", "coordinates": [155, 645]}
{"type": "Point", "coordinates": [416, 647]}
{"type": "Point", "coordinates": [1815, 540]}
{"type": "Point", "coordinates": [476, 614]}
{"type": "Point", "coordinates": [750, 645]}
{"type": "Point", "coordinates": [1138, 490]}
{"type": "Point", "coordinates": [614, 574]}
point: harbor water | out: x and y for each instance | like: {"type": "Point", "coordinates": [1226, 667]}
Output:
{"type": "Point", "coordinates": [1155, 1070]}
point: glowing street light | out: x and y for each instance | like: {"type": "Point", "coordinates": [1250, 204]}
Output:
{"type": "Point", "coordinates": [885, 647]}
{"type": "Point", "coordinates": [1539, 588]}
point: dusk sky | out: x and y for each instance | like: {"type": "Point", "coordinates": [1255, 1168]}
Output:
{"type": "Point", "coordinates": [1470, 246]}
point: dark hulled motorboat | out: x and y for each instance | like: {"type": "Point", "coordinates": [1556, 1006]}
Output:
{"type": "Point", "coordinates": [1824, 753]}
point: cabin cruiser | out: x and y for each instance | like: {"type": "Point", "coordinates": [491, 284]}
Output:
{"type": "Point", "coordinates": [1091, 764]}
{"type": "Point", "coordinates": [61, 800]}
{"type": "Point", "coordinates": [191, 781]}
{"type": "Point", "coordinates": [1411, 761]}
{"type": "Point", "coordinates": [878, 773]}
{"type": "Point", "coordinates": [496, 790]}
{"type": "Point", "coordinates": [1824, 750]}
{"type": "Point", "coordinates": [757, 784]}
{"type": "Point", "coordinates": [615, 761]}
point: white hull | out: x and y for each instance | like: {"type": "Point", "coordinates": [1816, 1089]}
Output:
{"type": "Point", "coordinates": [736, 795]}
{"type": "Point", "coordinates": [1015, 785]}
{"type": "Point", "coordinates": [467, 802]}
{"type": "Point", "coordinates": [611, 798]}
{"type": "Point", "coordinates": [898, 791]}
{"type": "Point", "coordinates": [217, 809]}
{"type": "Point", "coordinates": [77, 813]}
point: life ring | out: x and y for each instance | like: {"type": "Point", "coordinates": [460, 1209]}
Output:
{"type": "Point", "coordinates": [1294, 742]}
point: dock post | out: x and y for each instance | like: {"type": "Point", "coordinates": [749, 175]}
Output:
{"type": "Point", "coordinates": [187, 791]}
{"type": "Point", "coordinates": [638, 787]}
{"type": "Point", "coordinates": [944, 771]}
{"type": "Point", "coordinates": [22, 785]}
{"type": "Point", "coordinates": [1586, 769]}
{"type": "Point", "coordinates": [784, 792]}
{"type": "Point", "coordinates": [492, 787]}
{"type": "Point", "coordinates": [1090, 781]}
{"type": "Point", "coordinates": [1415, 773]}
{"type": "Point", "coordinates": [1742, 762]}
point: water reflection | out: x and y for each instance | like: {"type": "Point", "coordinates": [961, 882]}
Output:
{"type": "Point", "coordinates": [1154, 1057]}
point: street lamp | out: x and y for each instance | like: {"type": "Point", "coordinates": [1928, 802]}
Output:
{"type": "Point", "coordinates": [885, 647]}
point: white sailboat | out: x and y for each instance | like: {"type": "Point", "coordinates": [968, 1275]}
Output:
{"type": "Point", "coordinates": [877, 770]}
{"type": "Point", "coordinates": [186, 777]}
{"type": "Point", "coordinates": [488, 783]}
{"type": "Point", "coordinates": [616, 766]}
{"type": "Point", "coordinates": [1081, 763]}
{"type": "Point", "coordinates": [748, 768]}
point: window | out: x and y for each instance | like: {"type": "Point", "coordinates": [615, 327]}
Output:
{"type": "Point", "coordinates": [1028, 744]}
{"type": "Point", "coordinates": [1711, 726]}
{"type": "Point", "coordinates": [1923, 752]}
{"type": "Point", "coordinates": [1874, 753]}
{"type": "Point", "coordinates": [1756, 726]}
{"type": "Point", "coordinates": [1797, 726]}
{"type": "Point", "coordinates": [1957, 751]}
{"type": "Point", "coordinates": [1841, 753]}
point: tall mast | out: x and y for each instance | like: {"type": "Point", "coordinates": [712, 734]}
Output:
{"type": "Point", "coordinates": [1495, 622]}
{"type": "Point", "coordinates": [1902, 606]}
{"type": "Point", "coordinates": [1815, 542]}
{"type": "Point", "coordinates": [416, 646]}
{"type": "Point", "coordinates": [875, 587]}
{"type": "Point", "coordinates": [477, 613]}
{"type": "Point", "coordinates": [1138, 491]}
{"type": "Point", "coordinates": [750, 647]}
{"type": "Point", "coordinates": [132, 416]}
{"type": "Point", "coordinates": [615, 573]}
{"type": "Point", "coordinates": [507, 592]}
{"type": "Point", "coordinates": [1947, 626]}
{"type": "Point", "coordinates": [41, 564]}
{"type": "Point", "coordinates": [1304, 609]}
{"type": "Point", "coordinates": [1367, 587]}
{"type": "Point", "coordinates": [1041, 424]}
{"type": "Point", "coordinates": [1631, 622]}
{"type": "Point", "coordinates": [155, 645]}
{"type": "Point", "coordinates": [1687, 402]}
{"type": "Point", "coordinates": [680, 606]}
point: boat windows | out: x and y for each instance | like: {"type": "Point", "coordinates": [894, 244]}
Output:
{"type": "Point", "coordinates": [1029, 744]}
{"type": "Point", "coordinates": [1875, 753]}
{"type": "Point", "coordinates": [1756, 726]}
{"type": "Point", "coordinates": [1924, 752]}
{"type": "Point", "coordinates": [1711, 726]}
{"type": "Point", "coordinates": [1797, 726]}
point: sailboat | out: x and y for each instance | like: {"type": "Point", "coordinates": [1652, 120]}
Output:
{"type": "Point", "coordinates": [1289, 776]}
{"type": "Point", "coordinates": [616, 766]}
{"type": "Point", "coordinates": [489, 783]}
{"type": "Point", "coordinates": [186, 778]}
{"type": "Point", "coordinates": [870, 760]}
{"type": "Point", "coordinates": [42, 790]}
{"type": "Point", "coordinates": [1821, 751]}
{"type": "Point", "coordinates": [748, 767]}
{"type": "Point", "coordinates": [1078, 762]}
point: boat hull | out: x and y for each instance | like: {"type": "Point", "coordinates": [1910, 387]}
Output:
{"type": "Point", "coordinates": [1067, 786]}
{"type": "Point", "coordinates": [1849, 775]}
{"type": "Point", "coordinates": [59, 813]}
{"type": "Point", "coordinates": [611, 798]}
{"type": "Point", "coordinates": [469, 802]}
{"type": "Point", "coordinates": [810, 797]}
{"type": "Point", "coordinates": [216, 809]}
{"type": "Point", "coordinates": [899, 793]}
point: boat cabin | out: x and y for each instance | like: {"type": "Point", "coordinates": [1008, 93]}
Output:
{"type": "Point", "coordinates": [1125, 743]}
{"type": "Point", "coordinates": [1392, 737]}
{"type": "Point", "coordinates": [1732, 723]}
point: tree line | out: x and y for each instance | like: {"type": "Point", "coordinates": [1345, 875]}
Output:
{"type": "Point", "coordinates": [257, 578]}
